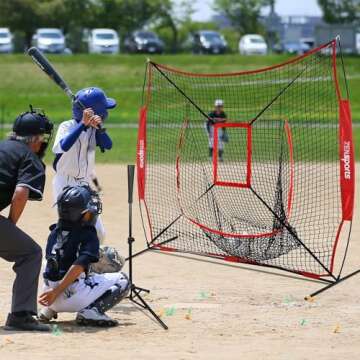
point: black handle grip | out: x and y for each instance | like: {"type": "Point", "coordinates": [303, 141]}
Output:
{"type": "Point", "coordinates": [131, 172]}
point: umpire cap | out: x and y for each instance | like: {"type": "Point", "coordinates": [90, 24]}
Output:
{"type": "Point", "coordinates": [32, 123]}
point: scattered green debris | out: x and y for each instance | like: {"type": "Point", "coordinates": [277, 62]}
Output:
{"type": "Point", "coordinates": [188, 314]}
{"type": "Point", "coordinates": [203, 295]}
{"type": "Point", "coordinates": [289, 299]}
{"type": "Point", "coordinates": [170, 311]}
{"type": "Point", "coordinates": [56, 330]}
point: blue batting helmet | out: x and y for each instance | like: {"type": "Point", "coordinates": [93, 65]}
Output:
{"type": "Point", "coordinates": [94, 98]}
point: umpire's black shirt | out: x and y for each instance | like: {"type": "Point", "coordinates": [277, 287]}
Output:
{"type": "Point", "coordinates": [19, 166]}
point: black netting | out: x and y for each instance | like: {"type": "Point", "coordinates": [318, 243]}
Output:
{"type": "Point", "coordinates": [277, 204]}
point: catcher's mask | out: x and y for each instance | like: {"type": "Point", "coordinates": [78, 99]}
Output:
{"type": "Point", "coordinates": [79, 204]}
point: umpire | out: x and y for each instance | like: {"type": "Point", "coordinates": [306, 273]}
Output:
{"type": "Point", "coordinates": [22, 178]}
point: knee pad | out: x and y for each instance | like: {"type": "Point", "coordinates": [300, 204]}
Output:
{"type": "Point", "coordinates": [112, 296]}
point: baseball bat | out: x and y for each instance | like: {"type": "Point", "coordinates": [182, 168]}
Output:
{"type": "Point", "coordinates": [44, 64]}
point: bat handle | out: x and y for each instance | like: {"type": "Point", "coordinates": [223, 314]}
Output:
{"type": "Point", "coordinates": [69, 93]}
{"type": "Point", "coordinates": [83, 107]}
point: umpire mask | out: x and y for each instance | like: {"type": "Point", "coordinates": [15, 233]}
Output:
{"type": "Point", "coordinates": [43, 146]}
{"type": "Point", "coordinates": [34, 123]}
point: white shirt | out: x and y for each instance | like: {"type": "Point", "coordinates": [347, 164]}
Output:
{"type": "Point", "coordinates": [79, 161]}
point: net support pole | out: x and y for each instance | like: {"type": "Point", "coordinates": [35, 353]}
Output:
{"type": "Point", "coordinates": [327, 287]}
{"type": "Point", "coordinates": [151, 247]}
{"type": "Point", "coordinates": [294, 235]}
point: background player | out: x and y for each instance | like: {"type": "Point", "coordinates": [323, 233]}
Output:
{"type": "Point", "coordinates": [217, 116]}
{"type": "Point", "coordinates": [22, 178]}
{"type": "Point", "coordinates": [76, 141]}
{"type": "Point", "coordinates": [72, 246]}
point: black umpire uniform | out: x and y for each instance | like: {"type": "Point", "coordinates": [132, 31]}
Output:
{"type": "Point", "coordinates": [20, 166]}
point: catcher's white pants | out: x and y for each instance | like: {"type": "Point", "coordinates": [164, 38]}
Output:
{"type": "Point", "coordinates": [60, 181]}
{"type": "Point", "coordinates": [220, 144]}
{"type": "Point", "coordinates": [85, 291]}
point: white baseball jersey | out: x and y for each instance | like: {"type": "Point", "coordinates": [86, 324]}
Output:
{"type": "Point", "coordinates": [75, 166]}
{"type": "Point", "coordinates": [79, 161]}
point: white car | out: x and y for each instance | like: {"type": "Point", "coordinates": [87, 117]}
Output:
{"type": "Point", "coordinates": [252, 44]}
{"type": "Point", "coordinates": [49, 40]}
{"type": "Point", "coordinates": [357, 43]}
{"type": "Point", "coordinates": [6, 41]}
{"type": "Point", "coordinates": [103, 41]}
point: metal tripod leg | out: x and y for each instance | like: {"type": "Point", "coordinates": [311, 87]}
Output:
{"type": "Point", "coordinates": [135, 291]}
{"type": "Point", "coordinates": [331, 285]}
{"type": "Point", "coordinates": [135, 294]}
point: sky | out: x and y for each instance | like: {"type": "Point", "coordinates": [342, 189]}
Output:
{"type": "Point", "coordinates": [203, 8]}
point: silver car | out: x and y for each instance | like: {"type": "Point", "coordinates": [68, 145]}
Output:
{"type": "Point", "coordinates": [49, 40]}
{"type": "Point", "coordinates": [6, 41]}
{"type": "Point", "coordinates": [103, 41]}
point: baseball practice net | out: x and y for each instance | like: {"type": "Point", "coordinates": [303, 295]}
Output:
{"type": "Point", "coordinates": [281, 192]}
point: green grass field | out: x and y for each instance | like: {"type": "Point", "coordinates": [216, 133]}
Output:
{"type": "Point", "coordinates": [124, 149]}
{"type": "Point", "coordinates": [122, 76]}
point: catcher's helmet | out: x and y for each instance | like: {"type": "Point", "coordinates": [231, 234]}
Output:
{"type": "Point", "coordinates": [94, 98]}
{"type": "Point", "coordinates": [32, 122]}
{"type": "Point", "coordinates": [75, 201]}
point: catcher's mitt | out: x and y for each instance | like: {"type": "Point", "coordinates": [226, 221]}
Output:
{"type": "Point", "coordinates": [109, 261]}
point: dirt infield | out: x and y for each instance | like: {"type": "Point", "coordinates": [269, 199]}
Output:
{"type": "Point", "coordinates": [214, 310]}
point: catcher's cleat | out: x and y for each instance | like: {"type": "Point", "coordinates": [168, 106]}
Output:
{"type": "Point", "coordinates": [46, 314]}
{"type": "Point", "coordinates": [92, 317]}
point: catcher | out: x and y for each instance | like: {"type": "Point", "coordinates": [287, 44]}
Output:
{"type": "Point", "coordinates": [73, 245]}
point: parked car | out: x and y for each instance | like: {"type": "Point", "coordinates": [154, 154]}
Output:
{"type": "Point", "coordinates": [296, 47]}
{"type": "Point", "coordinates": [49, 40]}
{"type": "Point", "coordinates": [103, 41]}
{"type": "Point", "coordinates": [143, 42]}
{"type": "Point", "coordinates": [292, 47]}
{"type": "Point", "coordinates": [208, 42]}
{"type": "Point", "coordinates": [6, 41]}
{"type": "Point", "coordinates": [357, 39]}
{"type": "Point", "coordinates": [252, 44]}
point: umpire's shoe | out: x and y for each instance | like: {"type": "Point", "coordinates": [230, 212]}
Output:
{"type": "Point", "coordinates": [24, 323]}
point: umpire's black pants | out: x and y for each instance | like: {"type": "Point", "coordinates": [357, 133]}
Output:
{"type": "Point", "coordinates": [21, 249]}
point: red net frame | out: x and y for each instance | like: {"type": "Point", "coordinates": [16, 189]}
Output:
{"type": "Point", "coordinates": [345, 159]}
{"type": "Point", "coordinates": [246, 126]}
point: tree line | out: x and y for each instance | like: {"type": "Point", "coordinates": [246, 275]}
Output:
{"type": "Point", "coordinates": [171, 20]}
